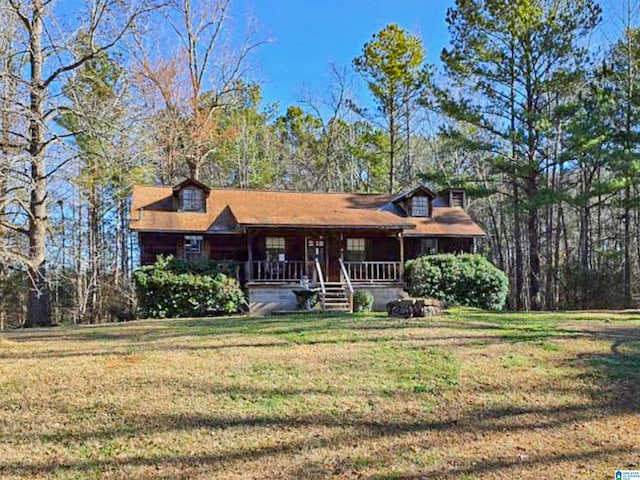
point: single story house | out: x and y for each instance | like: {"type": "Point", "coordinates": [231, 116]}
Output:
{"type": "Point", "coordinates": [340, 242]}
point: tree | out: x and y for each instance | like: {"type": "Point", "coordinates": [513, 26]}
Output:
{"type": "Point", "coordinates": [622, 76]}
{"type": "Point", "coordinates": [393, 63]}
{"type": "Point", "coordinates": [186, 90]}
{"type": "Point", "coordinates": [510, 64]}
{"type": "Point", "coordinates": [49, 60]}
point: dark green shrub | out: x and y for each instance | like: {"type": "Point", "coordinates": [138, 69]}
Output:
{"type": "Point", "coordinates": [362, 301]}
{"type": "Point", "coordinates": [165, 293]}
{"type": "Point", "coordinates": [202, 267]}
{"type": "Point", "coordinates": [469, 280]}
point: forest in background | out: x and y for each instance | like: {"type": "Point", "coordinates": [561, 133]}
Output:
{"type": "Point", "coordinates": [540, 126]}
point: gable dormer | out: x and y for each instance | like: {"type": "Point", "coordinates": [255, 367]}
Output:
{"type": "Point", "coordinates": [190, 196]}
{"type": "Point", "coordinates": [417, 202]}
{"type": "Point", "coordinates": [451, 197]}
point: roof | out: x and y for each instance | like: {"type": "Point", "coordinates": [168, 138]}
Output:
{"type": "Point", "coordinates": [412, 192]}
{"type": "Point", "coordinates": [230, 210]}
{"type": "Point", "coordinates": [194, 182]}
{"type": "Point", "coordinates": [446, 222]}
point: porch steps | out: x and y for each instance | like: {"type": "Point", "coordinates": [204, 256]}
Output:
{"type": "Point", "coordinates": [335, 298]}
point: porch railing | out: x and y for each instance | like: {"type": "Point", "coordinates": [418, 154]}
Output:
{"type": "Point", "coordinates": [276, 271]}
{"type": "Point", "coordinates": [294, 270]}
{"type": "Point", "coordinates": [373, 271]}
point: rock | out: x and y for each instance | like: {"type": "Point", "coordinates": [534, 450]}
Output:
{"type": "Point", "coordinates": [414, 307]}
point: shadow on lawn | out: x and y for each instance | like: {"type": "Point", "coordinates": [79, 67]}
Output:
{"type": "Point", "coordinates": [618, 372]}
{"type": "Point", "coordinates": [294, 337]}
{"type": "Point", "coordinates": [615, 377]}
{"type": "Point", "coordinates": [348, 431]}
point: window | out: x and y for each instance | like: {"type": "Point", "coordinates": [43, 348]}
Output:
{"type": "Point", "coordinates": [192, 200]}
{"type": "Point", "coordinates": [457, 199]}
{"type": "Point", "coordinates": [356, 250]}
{"type": "Point", "coordinates": [193, 248]}
{"type": "Point", "coordinates": [429, 246]}
{"type": "Point", "coordinates": [420, 207]}
{"type": "Point", "coordinates": [275, 249]}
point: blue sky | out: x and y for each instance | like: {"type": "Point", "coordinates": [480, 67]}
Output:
{"type": "Point", "coordinates": [307, 35]}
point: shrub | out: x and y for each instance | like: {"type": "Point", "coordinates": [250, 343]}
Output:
{"type": "Point", "coordinates": [362, 301]}
{"type": "Point", "coordinates": [469, 280]}
{"type": "Point", "coordinates": [163, 292]}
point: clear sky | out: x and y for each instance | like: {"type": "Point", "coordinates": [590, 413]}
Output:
{"type": "Point", "coordinates": [309, 34]}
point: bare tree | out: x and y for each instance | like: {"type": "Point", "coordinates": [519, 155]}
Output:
{"type": "Point", "coordinates": [50, 57]}
{"type": "Point", "coordinates": [187, 89]}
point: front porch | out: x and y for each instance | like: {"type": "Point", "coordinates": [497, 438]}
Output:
{"type": "Point", "coordinates": [361, 257]}
{"type": "Point", "coordinates": [270, 263]}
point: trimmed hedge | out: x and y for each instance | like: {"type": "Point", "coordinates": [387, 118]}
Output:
{"type": "Point", "coordinates": [362, 301]}
{"type": "Point", "coordinates": [469, 280]}
{"type": "Point", "coordinates": [167, 290]}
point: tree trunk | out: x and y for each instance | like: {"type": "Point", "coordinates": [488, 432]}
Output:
{"type": "Point", "coordinates": [534, 246]}
{"type": "Point", "coordinates": [392, 150]}
{"type": "Point", "coordinates": [38, 308]}
{"type": "Point", "coordinates": [627, 246]}
{"type": "Point", "coordinates": [517, 233]}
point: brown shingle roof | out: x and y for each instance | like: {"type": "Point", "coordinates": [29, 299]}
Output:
{"type": "Point", "coordinates": [446, 222]}
{"type": "Point", "coordinates": [151, 211]}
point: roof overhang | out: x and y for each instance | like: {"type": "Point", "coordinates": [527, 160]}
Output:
{"type": "Point", "coordinates": [448, 235]}
{"type": "Point", "coordinates": [335, 227]}
{"type": "Point", "coordinates": [194, 182]}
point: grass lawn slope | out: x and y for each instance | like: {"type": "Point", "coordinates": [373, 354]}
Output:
{"type": "Point", "coordinates": [469, 395]}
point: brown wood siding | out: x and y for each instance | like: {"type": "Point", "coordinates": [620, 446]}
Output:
{"type": "Point", "coordinates": [455, 245]}
{"type": "Point", "coordinates": [413, 247]}
{"type": "Point", "coordinates": [154, 244]}
{"type": "Point", "coordinates": [227, 247]}
{"type": "Point", "coordinates": [383, 248]}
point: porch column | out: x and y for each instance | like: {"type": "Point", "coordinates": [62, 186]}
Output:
{"type": "Point", "coordinates": [401, 240]}
{"type": "Point", "coordinates": [249, 269]}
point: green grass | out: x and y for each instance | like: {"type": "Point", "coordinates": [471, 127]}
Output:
{"type": "Point", "coordinates": [472, 394]}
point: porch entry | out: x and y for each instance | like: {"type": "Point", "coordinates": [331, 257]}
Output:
{"type": "Point", "coordinates": [287, 257]}
{"type": "Point", "coordinates": [316, 249]}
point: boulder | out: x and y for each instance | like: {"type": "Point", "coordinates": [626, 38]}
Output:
{"type": "Point", "coordinates": [414, 307]}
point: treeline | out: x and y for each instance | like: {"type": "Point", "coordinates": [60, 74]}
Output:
{"type": "Point", "coordinates": [537, 124]}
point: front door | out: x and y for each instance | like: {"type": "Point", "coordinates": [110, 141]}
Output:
{"type": "Point", "coordinates": [316, 248]}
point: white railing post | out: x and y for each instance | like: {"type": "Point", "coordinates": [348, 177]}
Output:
{"type": "Point", "coordinates": [345, 274]}
{"type": "Point", "coordinates": [323, 289]}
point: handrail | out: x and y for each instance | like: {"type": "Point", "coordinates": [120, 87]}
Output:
{"type": "Point", "coordinates": [323, 289]}
{"type": "Point", "coordinates": [345, 274]}
{"type": "Point", "coordinates": [320, 277]}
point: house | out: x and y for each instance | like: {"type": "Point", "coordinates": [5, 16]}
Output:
{"type": "Point", "coordinates": [341, 242]}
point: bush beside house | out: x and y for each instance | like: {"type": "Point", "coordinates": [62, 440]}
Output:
{"type": "Point", "coordinates": [362, 301]}
{"type": "Point", "coordinates": [168, 289]}
{"type": "Point", "coordinates": [468, 280]}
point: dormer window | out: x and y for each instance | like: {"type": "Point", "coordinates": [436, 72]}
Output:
{"type": "Point", "coordinates": [191, 200]}
{"type": "Point", "coordinates": [456, 198]}
{"type": "Point", "coordinates": [420, 206]}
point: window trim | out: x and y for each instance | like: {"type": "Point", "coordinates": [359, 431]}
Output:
{"type": "Point", "coordinates": [360, 250]}
{"type": "Point", "coordinates": [427, 206]}
{"type": "Point", "coordinates": [432, 250]}
{"type": "Point", "coordinates": [195, 204]}
{"type": "Point", "coordinates": [278, 246]}
{"type": "Point", "coordinates": [193, 254]}
{"type": "Point", "coordinates": [452, 194]}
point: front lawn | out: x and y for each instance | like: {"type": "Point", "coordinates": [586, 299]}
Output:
{"type": "Point", "coordinates": [470, 395]}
